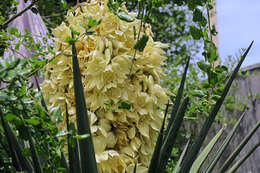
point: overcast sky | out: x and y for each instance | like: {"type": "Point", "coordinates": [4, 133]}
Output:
{"type": "Point", "coordinates": [238, 23]}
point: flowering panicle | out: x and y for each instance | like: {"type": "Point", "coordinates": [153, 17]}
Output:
{"type": "Point", "coordinates": [123, 106]}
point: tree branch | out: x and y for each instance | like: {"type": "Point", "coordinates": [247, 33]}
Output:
{"type": "Point", "coordinates": [4, 25]}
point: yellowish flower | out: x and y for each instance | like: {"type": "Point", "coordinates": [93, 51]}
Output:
{"type": "Point", "coordinates": [123, 111]}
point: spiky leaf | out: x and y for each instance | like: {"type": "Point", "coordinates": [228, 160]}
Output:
{"type": "Point", "coordinates": [157, 149]}
{"type": "Point", "coordinates": [224, 145]}
{"type": "Point", "coordinates": [209, 121]}
{"type": "Point", "coordinates": [203, 155]}
{"type": "Point", "coordinates": [87, 154]}
{"type": "Point", "coordinates": [233, 156]}
{"type": "Point", "coordinates": [171, 136]}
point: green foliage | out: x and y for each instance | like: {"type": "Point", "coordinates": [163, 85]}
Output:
{"type": "Point", "coordinates": [125, 105]}
{"type": "Point", "coordinates": [70, 40]}
{"type": "Point", "coordinates": [53, 12]}
{"type": "Point", "coordinates": [195, 32]}
{"type": "Point", "coordinates": [114, 5]}
{"type": "Point", "coordinates": [124, 16]}
{"type": "Point", "coordinates": [24, 122]}
{"type": "Point", "coordinates": [6, 10]}
{"type": "Point", "coordinates": [93, 22]}
{"type": "Point", "coordinates": [140, 45]}
{"type": "Point", "coordinates": [19, 107]}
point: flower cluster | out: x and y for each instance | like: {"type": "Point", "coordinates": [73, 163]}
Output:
{"type": "Point", "coordinates": [123, 94]}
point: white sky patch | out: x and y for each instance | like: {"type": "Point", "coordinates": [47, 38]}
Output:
{"type": "Point", "coordinates": [238, 24]}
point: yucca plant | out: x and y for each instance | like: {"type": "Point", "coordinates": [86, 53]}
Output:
{"type": "Point", "coordinates": [120, 73]}
{"type": "Point", "coordinates": [99, 58]}
{"type": "Point", "coordinates": [116, 133]}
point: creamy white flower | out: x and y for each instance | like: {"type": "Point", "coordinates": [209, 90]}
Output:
{"type": "Point", "coordinates": [122, 137]}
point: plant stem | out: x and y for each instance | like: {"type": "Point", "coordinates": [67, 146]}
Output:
{"type": "Point", "coordinates": [138, 37]}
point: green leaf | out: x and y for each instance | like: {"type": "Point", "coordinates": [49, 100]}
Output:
{"type": "Point", "coordinates": [90, 33]}
{"type": "Point", "coordinates": [199, 17]}
{"type": "Point", "coordinates": [195, 32]}
{"type": "Point", "coordinates": [3, 97]}
{"type": "Point", "coordinates": [27, 101]}
{"type": "Point", "coordinates": [14, 31]}
{"type": "Point", "coordinates": [27, 152]}
{"type": "Point", "coordinates": [243, 159]}
{"type": "Point", "coordinates": [55, 111]}
{"type": "Point", "coordinates": [70, 40]}
{"type": "Point", "coordinates": [134, 169]}
{"type": "Point", "coordinates": [178, 165]}
{"type": "Point", "coordinates": [43, 103]}
{"type": "Point", "coordinates": [15, 3]}
{"type": "Point", "coordinates": [187, 163]}
{"type": "Point", "coordinates": [192, 4]}
{"type": "Point", "coordinates": [107, 106]}
{"type": "Point", "coordinates": [210, 52]}
{"type": "Point", "coordinates": [203, 66]}
{"type": "Point", "coordinates": [15, 145]}
{"type": "Point", "coordinates": [34, 121]}
{"type": "Point", "coordinates": [87, 153]}
{"type": "Point", "coordinates": [179, 95]}
{"type": "Point", "coordinates": [212, 78]}
{"type": "Point", "coordinates": [10, 146]}
{"type": "Point", "coordinates": [134, 28]}
{"type": "Point", "coordinates": [62, 133]}
{"type": "Point", "coordinates": [233, 156]}
{"type": "Point", "coordinates": [125, 105]}
{"type": "Point", "coordinates": [221, 69]}
{"type": "Point", "coordinates": [11, 62]}
{"type": "Point", "coordinates": [62, 169]}
{"type": "Point", "coordinates": [224, 145]}
{"type": "Point", "coordinates": [140, 45]}
{"type": "Point", "coordinates": [27, 31]}
{"type": "Point", "coordinates": [93, 22]}
{"type": "Point", "coordinates": [214, 30]}
{"type": "Point", "coordinates": [22, 91]}
{"type": "Point", "coordinates": [74, 31]}
{"type": "Point", "coordinates": [10, 117]}
{"type": "Point", "coordinates": [171, 136]}
{"type": "Point", "coordinates": [80, 137]}
{"type": "Point", "coordinates": [113, 6]}
{"type": "Point", "coordinates": [156, 153]}
{"type": "Point", "coordinates": [17, 46]}
{"type": "Point", "coordinates": [73, 149]}
{"type": "Point", "coordinates": [203, 155]}
{"type": "Point", "coordinates": [35, 156]}
{"type": "Point", "coordinates": [210, 6]}
{"type": "Point", "coordinates": [198, 93]}
{"type": "Point", "coordinates": [125, 17]}
{"type": "Point", "coordinates": [44, 40]}
{"type": "Point", "coordinates": [67, 55]}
